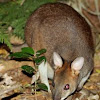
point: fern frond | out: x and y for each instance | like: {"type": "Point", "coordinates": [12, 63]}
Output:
{"type": "Point", "coordinates": [4, 38]}
{"type": "Point", "coordinates": [15, 15]}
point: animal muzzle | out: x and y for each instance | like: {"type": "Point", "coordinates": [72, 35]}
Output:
{"type": "Point", "coordinates": [56, 96]}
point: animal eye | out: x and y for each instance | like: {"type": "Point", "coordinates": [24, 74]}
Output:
{"type": "Point", "coordinates": [66, 87]}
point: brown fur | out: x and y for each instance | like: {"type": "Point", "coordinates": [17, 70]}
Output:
{"type": "Point", "coordinates": [58, 27]}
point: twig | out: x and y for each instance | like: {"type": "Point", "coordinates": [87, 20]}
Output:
{"type": "Point", "coordinates": [81, 5]}
{"type": "Point", "coordinates": [35, 91]}
{"type": "Point", "coordinates": [22, 2]}
{"type": "Point", "coordinates": [89, 11]}
{"type": "Point", "coordinates": [97, 8]}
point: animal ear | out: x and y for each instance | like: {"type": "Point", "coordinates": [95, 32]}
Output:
{"type": "Point", "coordinates": [57, 60]}
{"type": "Point", "coordinates": [77, 64]}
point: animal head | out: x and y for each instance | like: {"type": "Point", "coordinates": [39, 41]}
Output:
{"type": "Point", "coordinates": [65, 76]}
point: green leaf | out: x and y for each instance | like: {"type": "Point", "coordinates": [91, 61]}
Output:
{"type": "Point", "coordinates": [98, 71]}
{"type": "Point", "coordinates": [42, 86]}
{"type": "Point", "coordinates": [38, 53]}
{"type": "Point", "coordinates": [19, 55]}
{"type": "Point", "coordinates": [39, 59]}
{"type": "Point", "coordinates": [28, 50]}
{"type": "Point", "coordinates": [28, 69]}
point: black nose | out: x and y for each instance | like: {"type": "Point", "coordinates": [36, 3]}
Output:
{"type": "Point", "coordinates": [53, 84]}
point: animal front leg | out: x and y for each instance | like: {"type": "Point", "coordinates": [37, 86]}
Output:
{"type": "Point", "coordinates": [83, 81]}
{"type": "Point", "coordinates": [43, 74]}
